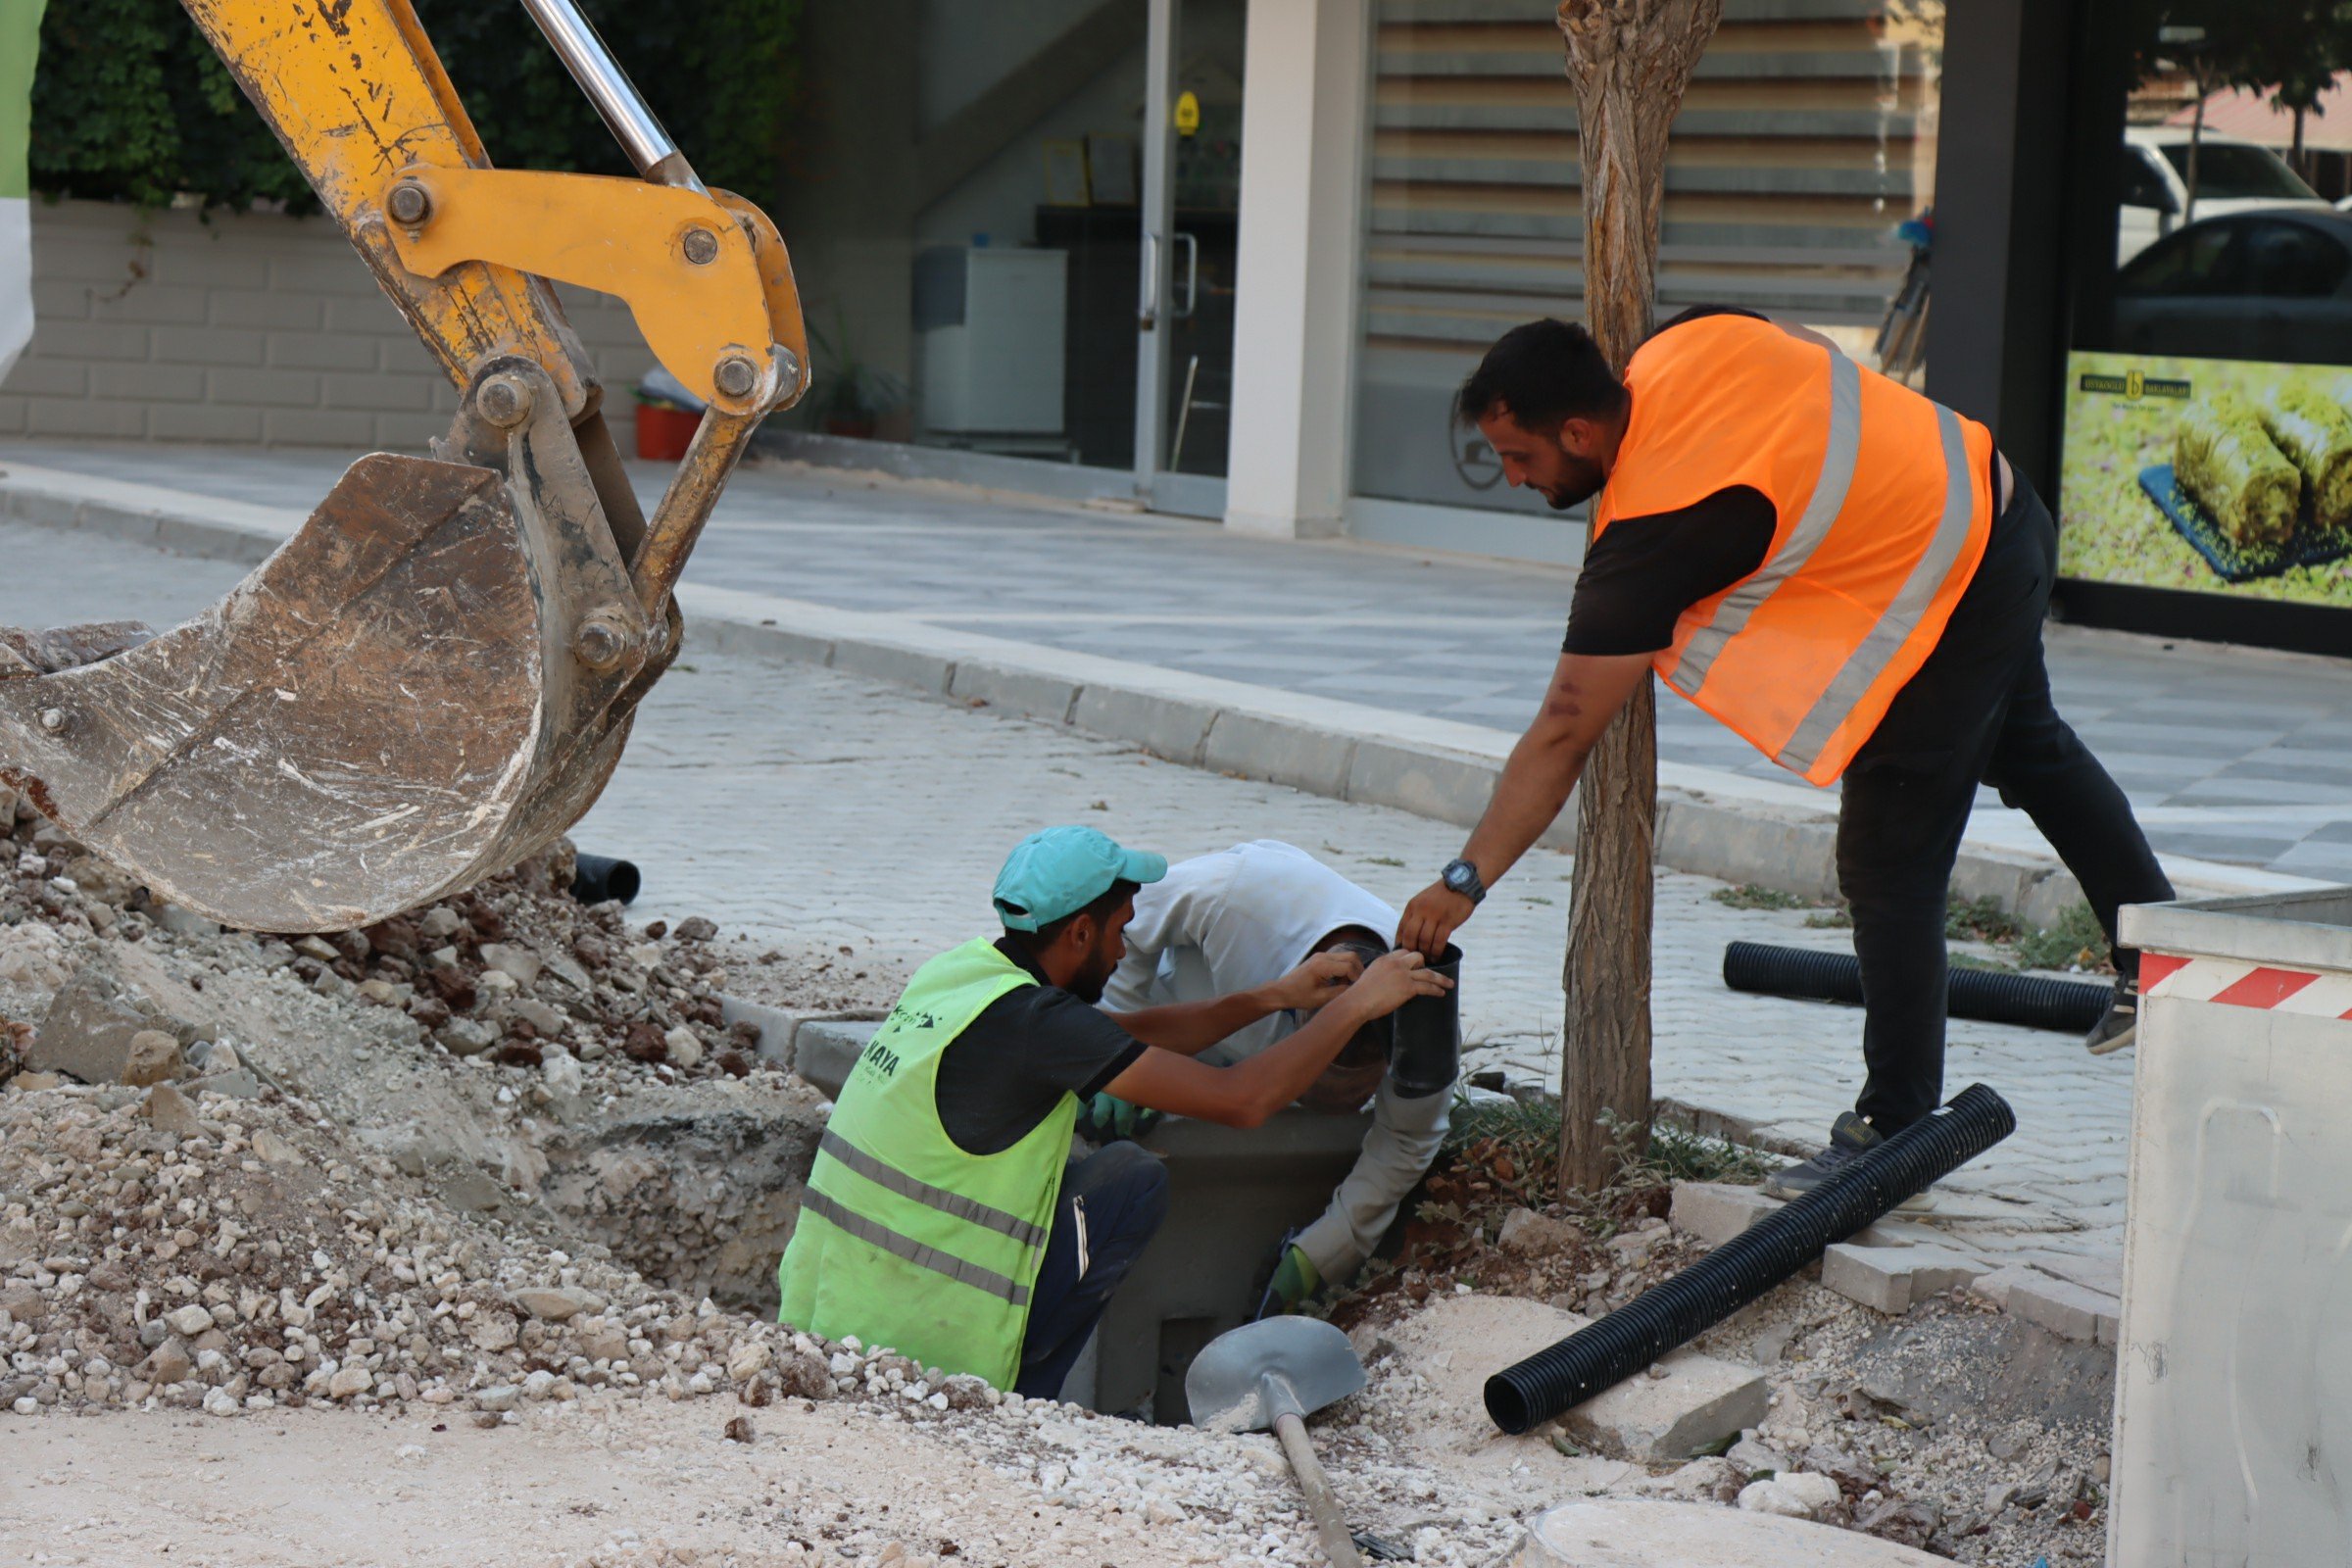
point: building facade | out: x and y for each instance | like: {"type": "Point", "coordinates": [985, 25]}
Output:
{"type": "Point", "coordinates": [1257, 243]}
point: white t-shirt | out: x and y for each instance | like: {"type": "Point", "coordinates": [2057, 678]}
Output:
{"type": "Point", "coordinates": [1232, 920]}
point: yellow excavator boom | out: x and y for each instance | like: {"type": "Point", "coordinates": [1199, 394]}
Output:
{"type": "Point", "coordinates": [436, 674]}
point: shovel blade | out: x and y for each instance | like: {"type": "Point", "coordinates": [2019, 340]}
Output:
{"type": "Point", "coordinates": [1311, 1361]}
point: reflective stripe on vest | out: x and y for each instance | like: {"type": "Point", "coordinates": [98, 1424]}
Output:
{"type": "Point", "coordinates": [1878, 650]}
{"type": "Point", "coordinates": [875, 1234]}
{"type": "Point", "coordinates": [922, 1192]}
{"type": "Point", "coordinates": [1838, 460]}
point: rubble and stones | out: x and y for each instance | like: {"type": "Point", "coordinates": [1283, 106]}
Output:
{"type": "Point", "coordinates": [407, 1176]}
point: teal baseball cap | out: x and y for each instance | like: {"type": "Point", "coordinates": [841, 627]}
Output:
{"type": "Point", "coordinates": [1057, 872]}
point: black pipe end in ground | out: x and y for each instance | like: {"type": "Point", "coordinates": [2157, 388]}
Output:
{"type": "Point", "coordinates": [1425, 1054]}
{"type": "Point", "coordinates": [596, 878]}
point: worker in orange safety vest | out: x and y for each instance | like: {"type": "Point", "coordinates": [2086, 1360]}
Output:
{"type": "Point", "coordinates": [1847, 575]}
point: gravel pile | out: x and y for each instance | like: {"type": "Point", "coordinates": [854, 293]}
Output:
{"type": "Point", "coordinates": [234, 1255]}
{"type": "Point", "coordinates": [167, 1252]}
{"type": "Point", "coordinates": [513, 967]}
{"type": "Point", "coordinates": [242, 1174]}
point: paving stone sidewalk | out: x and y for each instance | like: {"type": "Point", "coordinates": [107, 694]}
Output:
{"type": "Point", "coordinates": [2230, 755]}
{"type": "Point", "coordinates": [813, 810]}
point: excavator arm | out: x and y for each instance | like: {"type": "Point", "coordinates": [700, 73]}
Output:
{"type": "Point", "coordinates": [436, 674]}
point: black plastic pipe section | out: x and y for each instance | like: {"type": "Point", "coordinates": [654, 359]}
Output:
{"type": "Point", "coordinates": [596, 878]}
{"type": "Point", "coordinates": [1600, 1356]}
{"type": "Point", "coordinates": [2031, 1000]}
{"type": "Point", "coordinates": [1427, 1052]}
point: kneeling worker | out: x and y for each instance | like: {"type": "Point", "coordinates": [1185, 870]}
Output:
{"type": "Point", "coordinates": [1240, 920]}
{"type": "Point", "coordinates": [943, 1216]}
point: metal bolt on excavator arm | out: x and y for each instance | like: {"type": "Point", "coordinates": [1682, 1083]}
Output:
{"type": "Point", "coordinates": [436, 674]}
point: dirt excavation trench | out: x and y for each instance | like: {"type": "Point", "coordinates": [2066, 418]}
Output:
{"type": "Point", "coordinates": [452, 1241]}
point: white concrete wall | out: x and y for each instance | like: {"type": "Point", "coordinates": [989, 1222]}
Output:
{"type": "Point", "coordinates": [1303, 133]}
{"type": "Point", "coordinates": [250, 328]}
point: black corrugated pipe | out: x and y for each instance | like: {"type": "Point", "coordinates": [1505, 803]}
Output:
{"type": "Point", "coordinates": [596, 878]}
{"type": "Point", "coordinates": [2034, 1000]}
{"type": "Point", "coordinates": [1426, 1054]}
{"type": "Point", "coordinates": [1606, 1353]}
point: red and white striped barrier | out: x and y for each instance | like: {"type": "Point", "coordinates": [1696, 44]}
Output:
{"type": "Point", "coordinates": [2245, 985]}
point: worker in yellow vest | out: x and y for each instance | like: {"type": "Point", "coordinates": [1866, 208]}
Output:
{"type": "Point", "coordinates": [1853, 579]}
{"type": "Point", "coordinates": [943, 1216]}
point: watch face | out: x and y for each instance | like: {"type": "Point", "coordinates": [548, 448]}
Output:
{"type": "Point", "coordinates": [1459, 878]}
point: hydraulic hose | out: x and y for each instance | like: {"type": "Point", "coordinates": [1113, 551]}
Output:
{"type": "Point", "coordinates": [2034, 1000]}
{"type": "Point", "coordinates": [1606, 1353]}
{"type": "Point", "coordinates": [596, 878]}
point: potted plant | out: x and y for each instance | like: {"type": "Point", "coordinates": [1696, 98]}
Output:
{"type": "Point", "coordinates": [850, 396]}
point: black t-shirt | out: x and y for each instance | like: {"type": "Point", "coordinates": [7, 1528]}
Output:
{"type": "Point", "coordinates": [1012, 1064]}
{"type": "Point", "coordinates": [1645, 571]}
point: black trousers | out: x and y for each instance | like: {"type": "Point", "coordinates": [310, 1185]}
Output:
{"type": "Point", "coordinates": [1979, 709]}
{"type": "Point", "coordinates": [1113, 1201]}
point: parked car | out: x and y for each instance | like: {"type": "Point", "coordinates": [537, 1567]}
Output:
{"type": "Point", "coordinates": [2232, 176]}
{"type": "Point", "coordinates": [2272, 284]}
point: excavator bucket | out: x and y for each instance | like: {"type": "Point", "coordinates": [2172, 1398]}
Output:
{"type": "Point", "coordinates": [435, 675]}
{"type": "Point", "coordinates": [422, 685]}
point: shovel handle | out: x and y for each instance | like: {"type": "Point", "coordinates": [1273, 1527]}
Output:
{"type": "Point", "coordinates": [1321, 1505]}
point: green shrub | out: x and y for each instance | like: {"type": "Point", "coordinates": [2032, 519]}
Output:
{"type": "Point", "coordinates": [2074, 941]}
{"type": "Point", "coordinates": [1979, 920]}
{"type": "Point", "coordinates": [1756, 896]}
{"type": "Point", "coordinates": [130, 103]}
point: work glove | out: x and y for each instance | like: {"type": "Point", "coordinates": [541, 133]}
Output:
{"type": "Point", "coordinates": [1108, 1118]}
{"type": "Point", "coordinates": [1294, 1279]}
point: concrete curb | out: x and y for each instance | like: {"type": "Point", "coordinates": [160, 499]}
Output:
{"type": "Point", "coordinates": [1712, 823]}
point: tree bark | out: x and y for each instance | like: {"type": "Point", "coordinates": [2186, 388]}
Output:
{"type": "Point", "coordinates": [1630, 62]}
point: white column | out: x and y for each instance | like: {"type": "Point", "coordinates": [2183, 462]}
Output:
{"type": "Point", "coordinates": [1306, 79]}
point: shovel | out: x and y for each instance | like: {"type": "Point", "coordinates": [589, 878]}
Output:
{"type": "Point", "coordinates": [1275, 1373]}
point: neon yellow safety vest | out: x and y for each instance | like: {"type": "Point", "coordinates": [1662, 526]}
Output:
{"type": "Point", "coordinates": [905, 1239]}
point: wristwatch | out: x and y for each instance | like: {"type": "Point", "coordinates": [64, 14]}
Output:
{"type": "Point", "coordinates": [1460, 877]}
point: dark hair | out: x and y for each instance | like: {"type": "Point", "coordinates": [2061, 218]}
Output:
{"type": "Point", "coordinates": [1541, 374]}
{"type": "Point", "coordinates": [1045, 935]}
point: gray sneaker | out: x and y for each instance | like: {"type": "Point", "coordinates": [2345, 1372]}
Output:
{"type": "Point", "coordinates": [1849, 1137]}
{"type": "Point", "coordinates": [2119, 1025]}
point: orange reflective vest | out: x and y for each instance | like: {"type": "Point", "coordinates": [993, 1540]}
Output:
{"type": "Point", "coordinates": [1882, 502]}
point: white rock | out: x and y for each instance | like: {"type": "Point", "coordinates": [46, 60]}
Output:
{"type": "Point", "coordinates": [684, 1046]}
{"type": "Point", "coordinates": [562, 1072]}
{"type": "Point", "coordinates": [270, 1149]}
{"type": "Point", "coordinates": [1800, 1495]}
{"type": "Point", "coordinates": [556, 1303]}
{"type": "Point", "coordinates": [220, 1402]}
{"type": "Point", "coordinates": [519, 964]}
{"type": "Point", "coordinates": [189, 1320]}
{"type": "Point", "coordinates": [350, 1381]}
{"type": "Point", "coordinates": [502, 1397]}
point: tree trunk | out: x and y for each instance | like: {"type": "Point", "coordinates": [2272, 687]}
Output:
{"type": "Point", "coordinates": [1629, 62]}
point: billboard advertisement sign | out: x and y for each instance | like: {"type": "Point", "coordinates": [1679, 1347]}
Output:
{"type": "Point", "coordinates": [2218, 477]}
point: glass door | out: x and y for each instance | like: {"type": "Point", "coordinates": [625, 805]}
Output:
{"type": "Point", "coordinates": [1189, 243]}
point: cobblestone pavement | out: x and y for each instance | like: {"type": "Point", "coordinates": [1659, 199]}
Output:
{"type": "Point", "coordinates": [815, 811]}
{"type": "Point", "coordinates": [2230, 755]}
